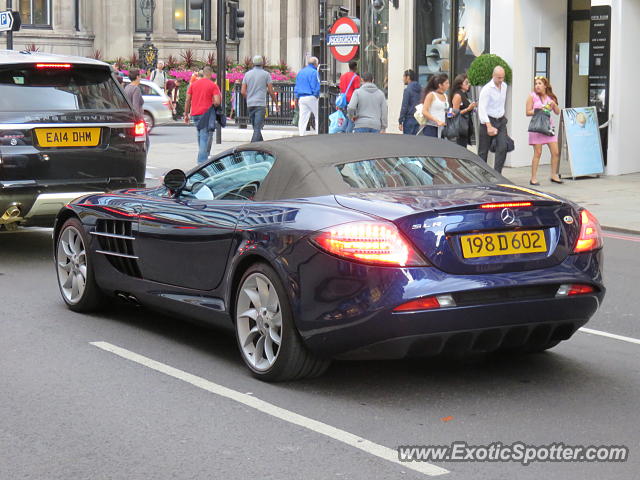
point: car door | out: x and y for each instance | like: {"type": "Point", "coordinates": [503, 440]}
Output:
{"type": "Point", "coordinates": [185, 241]}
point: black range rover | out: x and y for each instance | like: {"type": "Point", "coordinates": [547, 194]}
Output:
{"type": "Point", "coordinates": [66, 129]}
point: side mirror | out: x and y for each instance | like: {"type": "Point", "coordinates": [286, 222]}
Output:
{"type": "Point", "coordinates": [175, 180]}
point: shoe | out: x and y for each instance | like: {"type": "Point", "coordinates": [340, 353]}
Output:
{"type": "Point", "coordinates": [535, 184]}
{"type": "Point", "coordinates": [556, 181]}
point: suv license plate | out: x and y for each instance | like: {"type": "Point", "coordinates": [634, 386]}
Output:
{"type": "Point", "coordinates": [506, 243]}
{"type": "Point", "coordinates": [68, 137]}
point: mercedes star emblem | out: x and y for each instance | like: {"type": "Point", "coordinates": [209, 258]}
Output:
{"type": "Point", "coordinates": [508, 216]}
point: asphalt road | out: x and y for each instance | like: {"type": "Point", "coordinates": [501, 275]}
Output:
{"type": "Point", "coordinates": [72, 410]}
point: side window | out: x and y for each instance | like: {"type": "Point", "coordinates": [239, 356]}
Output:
{"type": "Point", "coordinates": [233, 177]}
{"type": "Point", "coordinates": [147, 90]}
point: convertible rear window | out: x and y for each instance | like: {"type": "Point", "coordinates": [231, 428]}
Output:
{"type": "Point", "coordinates": [30, 89]}
{"type": "Point", "coordinates": [414, 172]}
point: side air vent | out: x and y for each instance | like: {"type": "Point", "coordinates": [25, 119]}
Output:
{"type": "Point", "coordinates": [115, 238]}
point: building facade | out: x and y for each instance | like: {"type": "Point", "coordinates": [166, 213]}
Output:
{"type": "Point", "coordinates": [536, 37]}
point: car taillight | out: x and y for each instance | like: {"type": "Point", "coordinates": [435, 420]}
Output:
{"type": "Point", "coordinates": [491, 206]}
{"type": "Point", "coordinates": [63, 66]}
{"type": "Point", "coordinates": [375, 243]}
{"type": "Point", "coordinates": [572, 289]}
{"type": "Point", "coordinates": [140, 131]}
{"type": "Point", "coordinates": [426, 303]}
{"type": "Point", "coordinates": [590, 233]}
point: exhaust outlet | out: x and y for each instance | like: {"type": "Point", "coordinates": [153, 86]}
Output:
{"type": "Point", "coordinates": [11, 215]}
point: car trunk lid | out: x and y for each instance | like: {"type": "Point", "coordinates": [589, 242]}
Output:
{"type": "Point", "coordinates": [448, 224]}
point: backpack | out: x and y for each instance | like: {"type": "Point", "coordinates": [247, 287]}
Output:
{"type": "Point", "coordinates": [341, 101]}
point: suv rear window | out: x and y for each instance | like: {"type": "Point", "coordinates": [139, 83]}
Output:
{"type": "Point", "coordinates": [27, 89]}
{"type": "Point", "coordinates": [414, 172]}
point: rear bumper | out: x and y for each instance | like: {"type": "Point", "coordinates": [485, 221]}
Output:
{"type": "Point", "coordinates": [477, 329]}
{"type": "Point", "coordinates": [346, 310]}
{"type": "Point", "coordinates": [29, 202]}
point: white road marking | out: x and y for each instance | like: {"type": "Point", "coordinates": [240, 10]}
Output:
{"type": "Point", "coordinates": [610, 335]}
{"type": "Point", "coordinates": [343, 436]}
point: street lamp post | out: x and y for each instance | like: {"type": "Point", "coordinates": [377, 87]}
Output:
{"type": "Point", "coordinates": [323, 126]}
{"type": "Point", "coordinates": [148, 53]}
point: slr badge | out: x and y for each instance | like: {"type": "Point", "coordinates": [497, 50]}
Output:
{"type": "Point", "coordinates": [508, 216]}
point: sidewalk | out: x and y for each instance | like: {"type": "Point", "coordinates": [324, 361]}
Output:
{"type": "Point", "coordinates": [614, 200]}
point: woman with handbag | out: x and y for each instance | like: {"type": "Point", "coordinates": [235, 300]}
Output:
{"type": "Point", "coordinates": [435, 105]}
{"type": "Point", "coordinates": [540, 103]}
{"type": "Point", "coordinates": [463, 106]}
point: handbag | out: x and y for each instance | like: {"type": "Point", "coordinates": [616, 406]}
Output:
{"type": "Point", "coordinates": [420, 118]}
{"type": "Point", "coordinates": [341, 101]}
{"type": "Point", "coordinates": [541, 123]}
{"type": "Point", "coordinates": [337, 122]}
{"type": "Point", "coordinates": [456, 126]}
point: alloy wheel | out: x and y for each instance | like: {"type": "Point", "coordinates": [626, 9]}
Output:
{"type": "Point", "coordinates": [259, 322]}
{"type": "Point", "coordinates": [72, 265]}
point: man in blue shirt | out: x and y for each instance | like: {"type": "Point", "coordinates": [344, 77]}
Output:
{"type": "Point", "coordinates": [307, 92]}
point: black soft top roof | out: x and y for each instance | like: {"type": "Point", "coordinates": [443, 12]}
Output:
{"type": "Point", "coordinates": [305, 166]}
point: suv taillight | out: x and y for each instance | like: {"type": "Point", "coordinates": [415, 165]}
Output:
{"type": "Point", "coordinates": [140, 131]}
{"type": "Point", "coordinates": [590, 233]}
{"type": "Point", "coordinates": [376, 243]}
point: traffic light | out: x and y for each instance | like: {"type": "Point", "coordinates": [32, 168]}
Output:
{"type": "Point", "coordinates": [236, 21]}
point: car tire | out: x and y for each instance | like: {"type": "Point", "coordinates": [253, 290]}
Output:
{"type": "Point", "coordinates": [148, 119]}
{"type": "Point", "coordinates": [74, 268]}
{"type": "Point", "coordinates": [262, 317]}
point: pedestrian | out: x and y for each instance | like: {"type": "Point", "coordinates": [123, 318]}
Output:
{"type": "Point", "coordinates": [133, 92]}
{"type": "Point", "coordinates": [158, 76]}
{"type": "Point", "coordinates": [201, 95]}
{"type": "Point", "coordinates": [435, 105]}
{"type": "Point", "coordinates": [368, 107]}
{"type": "Point", "coordinates": [463, 106]}
{"type": "Point", "coordinates": [255, 85]}
{"type": "Point", "coordinates": [349, 83]}
{"type": "Point", "coordinates": [543, 98]}
{"type": "Point", "coordinates": [307, 92]}
{"type": "Point", "coordinates": [171, 87]}
{"type": "Point", "coordinates": [410, 100]}
{"type": "Point", "coordinates": [493, 123]}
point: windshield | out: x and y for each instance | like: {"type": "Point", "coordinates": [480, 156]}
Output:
{"type": "Point", "coordinates": [414, 172]}
{"type": "Point", "coordinates": [27, 89]}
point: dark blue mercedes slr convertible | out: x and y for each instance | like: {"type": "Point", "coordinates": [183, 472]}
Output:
{"type": "Point", "coordinates": [342, 246]}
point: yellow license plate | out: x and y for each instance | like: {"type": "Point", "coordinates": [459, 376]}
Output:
{"type": "Point", "coordinates": [68, 137]}
{"type": "Point", "coordinates": [506, 243]}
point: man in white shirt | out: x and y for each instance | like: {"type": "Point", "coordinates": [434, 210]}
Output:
{"type": "Point", "coordinates": [158, 76]}
{"type": "Point", "coordinates": [493, 123]}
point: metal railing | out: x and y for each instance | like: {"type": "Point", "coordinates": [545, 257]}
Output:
{"type": "Point", "coordinates": [286, 103]}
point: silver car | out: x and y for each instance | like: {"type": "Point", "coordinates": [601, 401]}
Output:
{"type": "Point", "coordinates": [157, 105]}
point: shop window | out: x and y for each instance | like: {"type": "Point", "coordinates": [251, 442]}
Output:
{"type": "Point", "coordinates": [541, 62]}
{"type": "Point", "coordinates": [472, 32]}
{"type": "Point", "coordinates": [142, 9]}
{"type": "Point", "coordinates": [36, 13]}
{"type": "Point", "coordinates": [375, 41]}
{"type": "Point", "coordinates": [443, 23]}
{"type": "Point", "coordinates": [186, 20]}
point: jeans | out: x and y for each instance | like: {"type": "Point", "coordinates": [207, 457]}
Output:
{"type": "Point", "coordinates": [430, 131]}
{"type": "Point", "coordinates": [365, 130]}
{"type": "Point", "coordinates": [205, 139]}
{"type": "Point", "coordinates": [410, 127]}
{"type": "Point", "coordinates": [256, 117]}
{"type": "Point", "coordinates": [500, 139]}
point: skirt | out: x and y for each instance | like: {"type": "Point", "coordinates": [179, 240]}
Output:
{"type": "Point", "coordinates": [541, 139]}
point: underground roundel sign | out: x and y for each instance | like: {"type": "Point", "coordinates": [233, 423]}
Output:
{"type": "Point", "coordinates": [344, 39]}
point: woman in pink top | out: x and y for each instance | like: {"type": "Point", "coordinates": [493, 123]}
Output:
{"type": "Point", "coordinates": [543, 97]}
